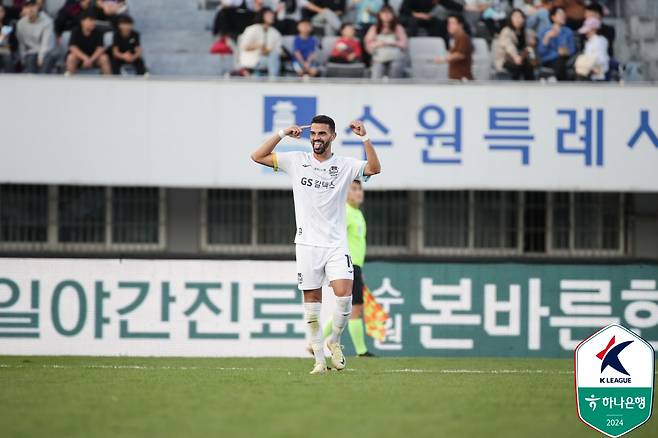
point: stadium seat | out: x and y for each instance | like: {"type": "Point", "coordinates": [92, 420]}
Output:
{"type": "Point", "coordinates": [422, 51]}
{"type": "Point", "coordinates": [481, 59]}
{"type": "Point", "coordinates": [396, 5]}
{"type": "Point", "coordinates": [53, 6]}
{"type": "Point", "coordinates": [326, 45]}
{"type": "Point", "coordinates": [337, 70]}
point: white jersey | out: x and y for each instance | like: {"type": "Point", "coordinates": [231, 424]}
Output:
{"type": "Point", "coordinates": [320, 193]}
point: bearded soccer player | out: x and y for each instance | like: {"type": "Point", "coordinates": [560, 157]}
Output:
{"type": "Point", "coordinates": [320, 183]}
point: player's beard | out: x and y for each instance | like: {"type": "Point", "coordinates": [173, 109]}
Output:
{"type": "Point", "coordinates": [319, 150]}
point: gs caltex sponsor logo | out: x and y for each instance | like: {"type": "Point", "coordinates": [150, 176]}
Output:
{"type": "Point", "coordinates": [614, 373]}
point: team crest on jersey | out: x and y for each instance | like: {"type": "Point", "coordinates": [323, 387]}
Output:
{"type": "Point", "coordinates": [333, 171]}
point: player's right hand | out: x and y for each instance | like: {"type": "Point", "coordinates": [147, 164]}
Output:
{"type": "Point", "coordinates": [294, 131]}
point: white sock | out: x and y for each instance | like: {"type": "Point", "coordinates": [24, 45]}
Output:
{"type": "Point", "coordinates": [341, 317]}
{"type": "Point", "coordinates": [312, 317]}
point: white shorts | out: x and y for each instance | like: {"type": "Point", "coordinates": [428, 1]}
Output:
{"type": "Point", "coordinates": [317, 266]}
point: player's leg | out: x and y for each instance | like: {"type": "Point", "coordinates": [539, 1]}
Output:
{"type": "Point", "coordinates": [340, 272]}
{"type": "Point", "coordinates": [355, 326]}
{"type": "Point", "coordinates": [310, 281]}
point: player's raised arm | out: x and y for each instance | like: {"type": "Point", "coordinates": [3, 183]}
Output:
{"type": "Point", "coordinates": [373, 167]}
{"type": "Point", "coordinates": [263, 155]}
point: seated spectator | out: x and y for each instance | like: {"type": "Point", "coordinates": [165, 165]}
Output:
{"type": "Point", "coordinates": [514, 52]}
{"type": "Point", "coordinates": [575, 10]}
{"type": "Point", "coordinates": [288, 14]}
{"type": "Point", "coordinates": [365, 13]}
{"type": "Point", "coordinates": [595, 10]}
{"type": "Point", "coordinates": [541, 17]}
{"type": "Point", "coordinates": [325, 14]}
{"type": "Point", "coordinates": [86, 47]}
{"type": "Point", "coordinates": [594, 63]}
{"type": "Point", "coordinates": [460, 56]}
{"type": "Point", "coordinates": [386, 41]}
{"type": "Point", "coordinates": [305, 51]}
{"type": "Point", "coordinates": [68, 17]}
{"type": "Point", "coordinates": [233, 17]}
{"type": "Point", "coordinates": [8, 42]}
{"type": "Point", "coordinates": [493, 13]}
{"type": "Point", "coordinates": [126, 49]}
{"type": "Point", "coordinates": [260, 46]}
{"type": "Point", "coordinates": [556, 44]}
{"type": "Point", "coordinates": [347, 49]}
{"type": "Point", "coordinates": [429, 15]}
{"type": "Point", "coordinates": [36, 39]}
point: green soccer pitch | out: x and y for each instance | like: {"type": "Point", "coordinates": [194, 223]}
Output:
{"type": "Point", "coordinates": [185, 397]}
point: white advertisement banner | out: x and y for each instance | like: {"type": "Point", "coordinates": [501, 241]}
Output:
{"type": "Point", "coordinates": [200, 134]}
{"type": "Point", "coordinates": [151, 308]}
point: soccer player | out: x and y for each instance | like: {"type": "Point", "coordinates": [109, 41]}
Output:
{"type": "Point", "coordinates": [320, 182]}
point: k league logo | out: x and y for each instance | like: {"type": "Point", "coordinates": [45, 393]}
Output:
{"type": "Point", "coordinates": [614, 380]}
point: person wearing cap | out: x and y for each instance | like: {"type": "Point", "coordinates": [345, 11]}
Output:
{"type": "Point", "coordinates": [86, 48]}
{"type": "Point", "coordinates": [126, 49]}
{"type": "Point", "coordinates": [36, 39]}
{"type": "Point", "coordinates": [594, 9]}
{"type": "Point", "coordinates": [594, 62]}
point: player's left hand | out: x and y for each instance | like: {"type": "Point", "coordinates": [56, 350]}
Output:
{"type": "Point", "coordinates": [358, 128]}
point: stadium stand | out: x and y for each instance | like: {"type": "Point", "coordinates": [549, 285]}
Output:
{"type": "Point", "coordinates": [176, 40]}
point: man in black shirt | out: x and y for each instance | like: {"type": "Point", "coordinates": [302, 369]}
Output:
{"type": "Point", "coordinates": [415, 14]}
{"type": "Point", "coordinates": [126, 49]}
{"type": "Point", "coordinates": [324, 13]}
{"type": "Point", "coordinates": [86, 48]}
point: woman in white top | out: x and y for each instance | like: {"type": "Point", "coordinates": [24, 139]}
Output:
{"type": "Point", "coordinates": [260, 45]}
{"type": "Point", "coordinates": [386, 41]}
{"type": "Point", "coordinates": [595, 61]}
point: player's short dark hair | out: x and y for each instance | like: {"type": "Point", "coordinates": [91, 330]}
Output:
{"type": "Point", "coordinates": [321, 118]}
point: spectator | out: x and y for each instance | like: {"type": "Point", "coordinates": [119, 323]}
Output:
{"type": "Point", "coordinates": [575, 10]}
{"type": "Point", "coordinates": [126, 48]}
{"type": "Point", "coordinates": [288, 14]}
{"type": "Point", "coordinates": [260, 46]}
{"type": "Point", "coordinates": [347, 49]}
{"type": "Point", "coordinates": [8, 42]}
{"type": "Point", "coordinates": [86, 47]}
{"type": "Point", "coordinates": [556, 44]}
{"type": "Point", "coordinates": [541, 17]}
{"type": "Point", "coordinates": [365, 13]}
{"type": "Point", "coordinates": [459, 57]}
{"type": "Point", "coordinates": [36, 39]}
{"type": "Point", "coordinates": [305, 51]}
{"type": "Point", "coordinates": [514, 52]}
{"type": "Point", "coordinates": [594, 62]}
{"type": "Point", "coordinates": [386, 41]}
{"type": "Point", "coordinates": [595, 10]}
{"type": "Point", "coordinates": [493, 13]}
{"type": "Point", "coordinates": [68, 17]}
{"type": "Point", "coordinates": [324, 13]}
{"type": "Point", "coordinates": [421, 14]}
{"type": "Point", "coordinates": [233, 17]}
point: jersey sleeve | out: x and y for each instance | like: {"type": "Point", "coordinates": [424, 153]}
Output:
{"type": "Point", "coordinates": [283, 161]}
{"type": "Point", "coordinates": [358, 169]}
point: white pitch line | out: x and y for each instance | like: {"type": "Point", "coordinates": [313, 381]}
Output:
{"type": "Point", "coordinates": [192, 368]}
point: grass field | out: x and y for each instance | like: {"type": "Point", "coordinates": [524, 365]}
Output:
{"type": "Point", "coordinates": [403, 397]}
